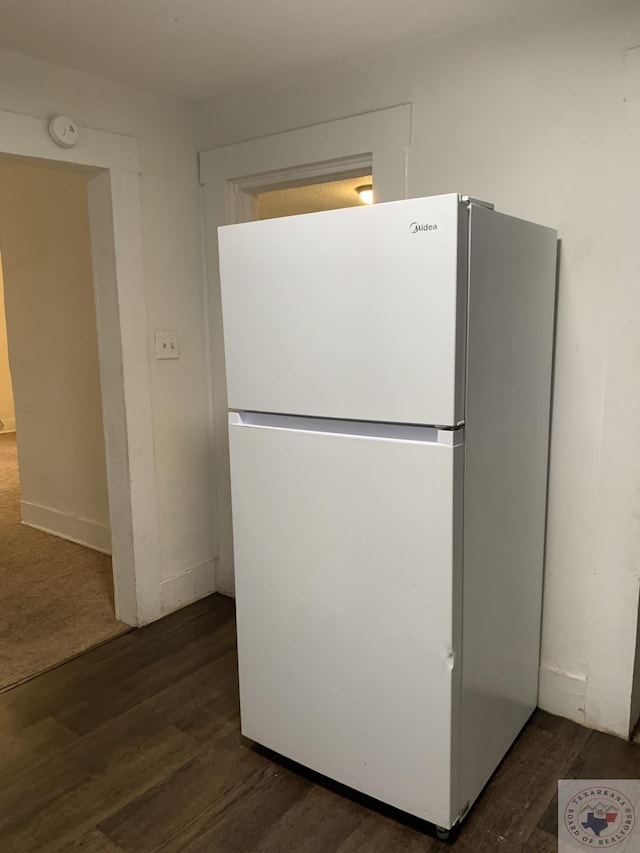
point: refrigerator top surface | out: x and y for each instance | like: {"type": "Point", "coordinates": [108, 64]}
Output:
{"type": "Point", "coordinates": [399, 204]}
{"type": "Point", "coordinates": [356, 313]}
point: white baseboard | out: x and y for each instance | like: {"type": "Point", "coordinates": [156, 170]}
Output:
{"type": "Point", "coordinates": [188, 586]}
{"type": "Point", "coordinates": [563, 694]}
{"type": "Point", "coordinates": [78, 530]}
{"type": "Point", "coordinates": [8, 424]}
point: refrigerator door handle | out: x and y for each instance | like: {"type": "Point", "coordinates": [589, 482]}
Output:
{"type": "Point", "coordinates": [361, 429]}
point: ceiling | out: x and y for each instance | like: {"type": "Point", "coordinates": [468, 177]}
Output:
{"type": "Point", "coordinates": [309, 199]}
{"type": "Point", "coordinates": [207, 48]}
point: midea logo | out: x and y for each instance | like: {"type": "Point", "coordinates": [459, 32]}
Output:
{"type": "Point", "coordinates": [419, 226]}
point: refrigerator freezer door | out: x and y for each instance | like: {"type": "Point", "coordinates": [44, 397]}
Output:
{"type": "Point", "coordinates": [355, 313]}
{"type": "Point", "coordinates": [347, 590]}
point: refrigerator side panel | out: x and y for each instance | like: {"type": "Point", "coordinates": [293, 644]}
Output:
{"type": "Point", "coordinates": [349, 313]}
{"type": "Point", "coordinates": [511, 308]}
{"type": "Point", "coordinates": [344, 588]}
{"type": "Point", "coordinates": [457, 552]}
{"type": "Point", "coordinates": [462, 266]}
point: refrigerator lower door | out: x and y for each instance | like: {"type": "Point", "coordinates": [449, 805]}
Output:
{"type": "Point", "coordinates": [347, 588]}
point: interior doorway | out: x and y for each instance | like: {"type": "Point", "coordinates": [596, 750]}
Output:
{"type": "Point", "coordinates": [55, 537]}
{"type": "Point", "coordinates": [314, 197]}
{"type": "Point", "coordinates": [112, 165]}
{"type": "Point", "coordinates": [233, 178]}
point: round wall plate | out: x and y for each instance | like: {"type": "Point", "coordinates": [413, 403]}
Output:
{"type": "Point", "coordinates": [63, 131]}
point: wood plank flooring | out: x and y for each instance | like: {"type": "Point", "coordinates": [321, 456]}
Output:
{"type": "Point", "coordinates": [136, 747]}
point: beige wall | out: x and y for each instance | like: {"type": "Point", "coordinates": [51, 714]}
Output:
{"type": "Point", "coordinates": [538, 113]}
{"type": "Point", "coordinates": [7, 412]}
{"type": "Point", "coordinates": [46, 253]}
{"type": "Point", "coordinates": [328, 195]}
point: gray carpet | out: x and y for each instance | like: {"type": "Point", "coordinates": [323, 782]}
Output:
{"type": "Point", "coordinates": [56, 598]}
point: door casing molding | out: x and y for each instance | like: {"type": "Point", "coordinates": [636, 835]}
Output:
{"type": "Point", "coordinates": [111, 163]}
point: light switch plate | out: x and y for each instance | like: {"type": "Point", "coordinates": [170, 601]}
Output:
{"type": "Point", "coordinates": [166, 344]}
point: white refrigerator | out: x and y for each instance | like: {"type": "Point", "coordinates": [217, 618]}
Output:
{"type": "Point", "coordinates": [388, 379]}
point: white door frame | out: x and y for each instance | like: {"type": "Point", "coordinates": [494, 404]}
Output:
{"type": "Point", "coordinates": [230, 176]}
{"type": "Point", "coordinates": [116, 243]}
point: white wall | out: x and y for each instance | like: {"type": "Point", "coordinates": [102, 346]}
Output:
{"type": "Point", "coordinates": [530, 113]}
{"type": "Point", "coordinates": [51, 326]}
{"type": "Point", "coordinates": [7, 410]}
{"type": "Point", "coordinates": [173, 279]}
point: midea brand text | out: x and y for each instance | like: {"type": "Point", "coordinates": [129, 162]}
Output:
{"type": "Point", "coordinates": [421, 226]}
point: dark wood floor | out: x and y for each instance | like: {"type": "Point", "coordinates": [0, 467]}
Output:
{"type": "Point", "coordinates": [135, 746]}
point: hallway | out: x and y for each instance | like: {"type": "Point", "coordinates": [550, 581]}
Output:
{"type": "Point", "coordinates": [56, 597]}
